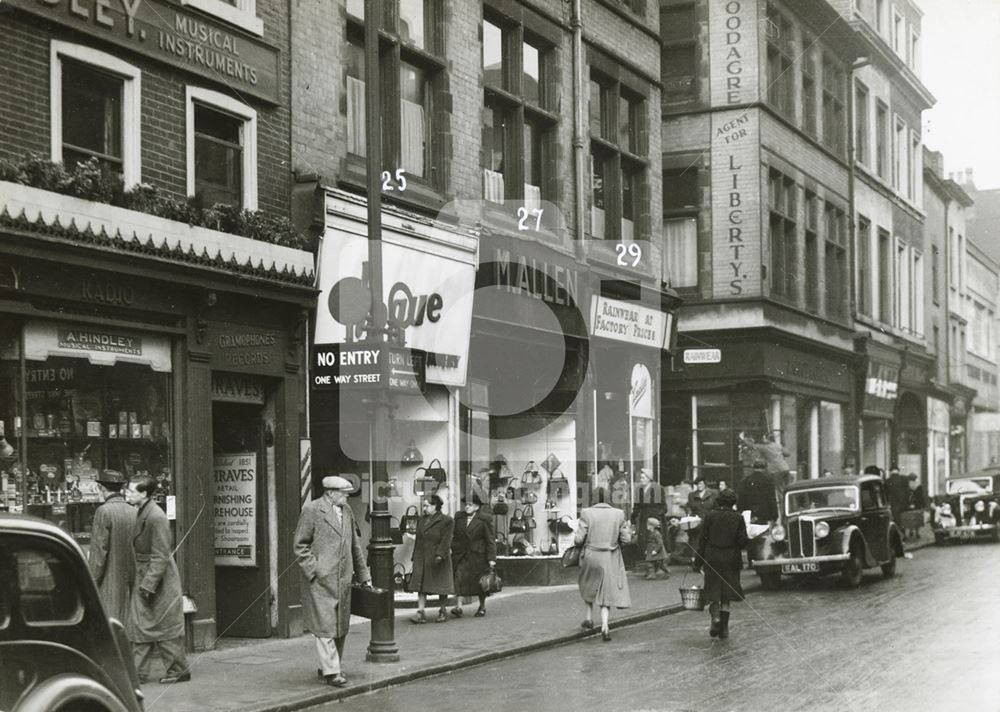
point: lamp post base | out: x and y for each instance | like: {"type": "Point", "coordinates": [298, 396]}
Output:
{"type": "Point", "coordinates": [385, 653]}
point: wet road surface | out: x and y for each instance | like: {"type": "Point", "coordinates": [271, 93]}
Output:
{"type": "Point", "coordinates": [928, 639]}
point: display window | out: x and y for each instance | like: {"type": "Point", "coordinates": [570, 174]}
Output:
{"type": "Point", "coordinates": [65, 419]}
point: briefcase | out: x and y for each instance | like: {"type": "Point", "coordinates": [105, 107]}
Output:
{"type": "Point", "coordinates": [371, 602]}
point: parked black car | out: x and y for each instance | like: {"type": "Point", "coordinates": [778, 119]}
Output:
{"type": "Point", "coordinates": [59, 651]}
{"type": "Point", "coordinates": [831, 525]}
{"type": "Point", "coordinates": [971, 507]}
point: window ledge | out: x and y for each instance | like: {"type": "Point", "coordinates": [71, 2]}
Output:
{"type": "Point", "coordinates": [419, 195]}
{"type": "Point", "coordinates": [228, 13]}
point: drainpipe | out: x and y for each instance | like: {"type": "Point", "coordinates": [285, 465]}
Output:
{"type": "Point", "coordinates": [579, 112]}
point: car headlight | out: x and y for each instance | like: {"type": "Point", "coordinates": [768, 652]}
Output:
{"type": "Point", "coordinates": [980, 506]}
{"type": "Point", "coordinates": [822, 529]}
{"type": "Point", "coordinates": [778, 532]}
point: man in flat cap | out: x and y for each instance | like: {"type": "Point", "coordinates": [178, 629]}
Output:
{"type": "Point", "coordinates": [112, 560]}
{"type": "Point", "coordinates": [328, 547]}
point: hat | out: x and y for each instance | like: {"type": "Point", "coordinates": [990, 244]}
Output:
{"type": "Point", "coordinates": [759, 465]}
{"type": "Point", "coordinates": [111, 477]}
{"type": "Point", "coordinates": [726, 498]}
{"type": "Point", "coordinates": [654, 521]}
{"type": "Point", "coordinates": [475, 499]}
{"type": "Point", "coordinates": [335, 482]}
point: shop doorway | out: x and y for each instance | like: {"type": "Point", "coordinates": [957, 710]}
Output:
{"type": "Point", "coordinates": [242, 569]}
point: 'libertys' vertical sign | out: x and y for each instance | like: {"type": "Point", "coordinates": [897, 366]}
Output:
{"type": "Point", "coordinates": [735, 73]}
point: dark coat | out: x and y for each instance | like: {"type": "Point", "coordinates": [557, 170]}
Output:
{"type": "Point", "coordinates": [758, 492]}
{"type": "Point", "coordinates": [473, 546]}
{"type": "Point", "coordinates": [162, 617]}
{"type": "Point", "coordinates": [917, 498]}
{"type": "Point", "coordinates": [434, 534]}
{"type": "Point", "coordinates": [112, 559]}
{"type": "Point", "coordinates": [700, 506]}
{"type": "Point", "coordinates": [654, 549]}
{"type": "Point", "coordinates": [723, 535]}
{"type": "Point", "coordinates": [897, 489]}
{"type": "Point", "coordinates": [330, 555]}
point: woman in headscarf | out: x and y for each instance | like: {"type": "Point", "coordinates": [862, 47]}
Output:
{"type": "Point", "coordinates": [723, 536]}
{"type": "Point", "coordinates": [432, 572]}
{"type": "Point", "coordinates": [601, 530]}
{"type": "Point", "coordinates": [473, 552]}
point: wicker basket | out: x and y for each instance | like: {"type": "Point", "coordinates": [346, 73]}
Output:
{"type": "Point", "coordinates": [692, 598]}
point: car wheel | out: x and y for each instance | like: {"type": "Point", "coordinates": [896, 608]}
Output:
{"type": "Point", "coordinates": [853, 570]}
{"type": "Point", "coordinates": [769, 580]}
{"type": "Point", "coordinates": [889, 567]}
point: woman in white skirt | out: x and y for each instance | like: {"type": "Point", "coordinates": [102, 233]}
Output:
{"type": "Point", "coordinates": [600, 532]}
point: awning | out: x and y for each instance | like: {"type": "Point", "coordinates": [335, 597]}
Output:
{"type": "Point", "coordinates": [100, 345]}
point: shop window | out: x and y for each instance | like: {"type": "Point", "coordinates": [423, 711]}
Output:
{"type": "Point", "coordinates": [783, 236]}
{"type": "Point", "coordinates": [617, 155]}
{"type": "Point", "coordinates": [95, 110]}
{"type": "Point", "coordinates": [831, 436]}
{"type": "Point", "coordinates": [413, 82]}
{"type": "Point", "coordinates": [221, 149]}
{"type": "Point", "coordinates": [679, 52]}
{"type": "Point", "coordinates": [719, 419]}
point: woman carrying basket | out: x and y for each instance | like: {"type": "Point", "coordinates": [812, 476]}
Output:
{"type": "Point", "coordinates": [723, 536]}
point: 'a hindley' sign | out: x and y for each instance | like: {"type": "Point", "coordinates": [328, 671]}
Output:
{"type": "Point", "coordinates": [165, 32]}
{"type": "Point", "coordinates": [235, 507]}
{"type": "Point", "coordinates": [100, 340]}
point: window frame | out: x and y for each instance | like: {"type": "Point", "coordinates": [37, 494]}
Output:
{"type": "Point", "coordinates": [812, 263]}
{"type": "Point", "coordinates": [834, 105]}
{"type": "Point", "coordinates": [866, 301]}
{"type": "Point", "coordinates": [228, 105]}
{"type": "Point", "coordinates": [862, 111]}
{"type": "Point", "coordinates": [900, 149]}
{"type": "Point", "coordinates": [780, 93]}
{"type": "Point", "coordinates": [896, 29]}
{"type": "Point", "coordinates": [678, 213]}
{"type": "Point", "coordinates": [131, 77]}
{"type": "Point", "coordinates": [917, 291]}
{"type": "Point", "coordinates": [783, 215]}
{"type": "Point", "coordinates": [242, 14]}
{"type": "Point", "coordinates": [810, 97]}
{"type": "Point", "coordinates": [686, 43]}
{"type": "Point", "coordinates": [835, 293]}
{"type": "Point", "coordinates": [883, 141]}
{"type": "Point", "coordinates": [886, 286]}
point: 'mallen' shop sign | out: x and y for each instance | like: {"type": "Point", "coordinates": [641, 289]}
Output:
{"type": "Point", "coordinates": [166, 33]}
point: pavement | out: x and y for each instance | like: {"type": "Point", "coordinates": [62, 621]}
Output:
{"type": "Point", "coordinates": [279, 675]}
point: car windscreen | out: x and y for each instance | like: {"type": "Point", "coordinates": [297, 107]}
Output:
{"type": "Point", "coordinates": [808, 500]}
{"type": "Point", "coordinates": [969, 484]}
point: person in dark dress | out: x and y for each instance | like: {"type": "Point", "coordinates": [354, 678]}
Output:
{"type": "Point", "coordinates": [473, 552]}
{"type": "Point", "coordinates": [723, 535]}
{"type": "Point", "coordinates": [759, 493]}
{"type": "Point", "coordinates": [650, 503]}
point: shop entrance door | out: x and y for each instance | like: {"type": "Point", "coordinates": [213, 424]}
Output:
{"type": "Point", "coordinates": [242, 586]}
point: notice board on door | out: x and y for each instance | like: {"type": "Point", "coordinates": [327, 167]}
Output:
{"type": "Point", "coordinates": [235, 507]}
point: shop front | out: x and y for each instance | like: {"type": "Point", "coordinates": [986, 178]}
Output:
{"type": "Point", "coordinates": [162, 368]}
{"type": "Point", "coordinates": [762, 390]}
{"type": "Point", "coordinates": [879, 389]}
{"type": "Point", "coordinates": [913, 434]}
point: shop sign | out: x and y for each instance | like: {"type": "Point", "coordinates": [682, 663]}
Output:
{"type": "Point", "coordinates": [368, 365]}
{"type": "Point", "coordinates": [165, 32]}
{"type": "Point", "coordinates": [626, 321]}
{"type": "Point", "coordinates": [99, 340]}
{"type": "Point", "coordinates": [235, 505]}
{"type": "Point", "coordinates": [536, 278]}
{"type": "Point", "coordinates": [234, 388]}
{"type": "Point", "coordinates": [426, 293]}
{"type": "Point", "coordinates": [702, 356]}
{"type": "Point", "coordinates": [733, 59]}
{"type": "Point", "coordinates": [640, 401]}
{"type": "Point", "coordinates": [247, 348]}
{"type": "Point", "coordinates": [880, 389]}
{"type": "Point", "coordinates": [100, 346]}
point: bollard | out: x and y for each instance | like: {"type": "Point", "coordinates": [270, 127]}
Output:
{"type": "Point", "coordinates": [189, 610]}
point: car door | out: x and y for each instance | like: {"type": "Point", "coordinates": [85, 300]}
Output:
{"type": "Point", "coordinates": [875, 517]}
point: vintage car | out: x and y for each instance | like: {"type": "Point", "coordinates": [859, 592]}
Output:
{"type": "Point", "coordinates": [59, 651]}
{"type": "Point", "coordinates": [971, 507]}
{"type": "Point", "coordinates": [830, 525]}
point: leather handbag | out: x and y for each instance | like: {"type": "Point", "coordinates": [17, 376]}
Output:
{"type": "Point", "coordinates": [499, 504]}
{"type": "Point", "coordinates": [514, 492]}
{"type": "Point", "coordinates": [529, 516]}
{"type": "Point", "coordinates": [501, 545]}
{"type": "Point", "coordinates": [408, 522]}
{"type": "Point", "coordinates": [560, 525]}
{"type": "Point", "coordinates": [530, 497]}
{"type": "Point", "coordinates": [423, 484]}
{"type": "Point", "coordinates": [571, 557]}
{"type": "Point", "coordinates": [400, 577]}
{"type": "Point", "coordinates": [436, 473]}
{"type": "Point", "coordinates": [551, 463]}
{"type": "Point", "coordinates": [531, 476]}
{"type": "Point", "coordinates": [518, 524]}
{"type": "Point", "coordinates": [491, 583]}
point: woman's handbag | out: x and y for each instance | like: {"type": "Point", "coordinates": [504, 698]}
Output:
{"type": "Point", "coordinates": [514, 492]}
{"type": "Point", "coordinates": [529, 516]}
{"type": "Point", "coordinates": [517, 523]}
{"type": "Point", "coordinates": [531, 476]}
{"type": "Point", "coordinates": [491, 583]}
{"type": "Point", "coordinates": [408, 522]}
{"type": "Point", "coordinates": [551, 463]}
{"type": "Point", "coordinates": [530, 497]}
{"type": "Point", "coordinates": [571, 557]}
{"type": "Point", "coordinates": [436, 473]}
{"type": "Point", "coordinates": [499, 504]}
{"type": "Point", "coordinates": [423, 483]}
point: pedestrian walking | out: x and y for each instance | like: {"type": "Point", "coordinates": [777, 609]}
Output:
{"type": "Point", "coordinates": [432, 569]}
{"type": "Point", "coordinates": [473, 553]}
{"type": "Point", "coordinates": [112, 559]}
{"type": "Point", "coordinates": [600, 532]}
{"type": "Point", "coordinates": [700, 502]}
{"type": "Point", "coordinates": [327, 544]}
{"type": "Point", "coordinates": [650, 501]}
{"type": "Point", "coordinates": [656, 552]}
{"type": "Point", "coordinates": [723, 536]}
{"type": "Point", "coordinates": [156, 617]}
{"type": "Point", "coordinates": [759, 493]}
{"type": "Point", "coordinates": [898, 493]}
{"type": "Point", "coordinates": [916, 504]}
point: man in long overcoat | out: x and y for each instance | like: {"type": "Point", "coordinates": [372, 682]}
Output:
{"type": "Point", "coordinates": [328, 547]}
{"type": "Point", "coordinates": [156, 618]}
{"type": "Point", "coordinates": [112, 560]}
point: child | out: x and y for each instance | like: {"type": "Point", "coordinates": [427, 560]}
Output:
{"type": "Point", "coordinates": [656, 553]}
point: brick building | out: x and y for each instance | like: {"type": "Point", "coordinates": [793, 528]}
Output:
{"type": "Point", "coordinates": [521, 161]}
{"type": "Point", "coordinates": [150, 321]}
{"type": "Point", "coordinates": [757, 196]}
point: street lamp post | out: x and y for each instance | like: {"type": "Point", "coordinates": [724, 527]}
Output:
{"type": "Point", "coordinates": [382, 646]}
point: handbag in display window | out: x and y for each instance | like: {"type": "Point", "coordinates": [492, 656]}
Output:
{"type": "Point", "coordinates": [423, 484]}
{"type": "Point", "coordinates": [400, 577]}
{"type": "Point", "coordinates": [408, 522]}
{"type": "Point", "coordinates": [551, 463]}
{"type": "Point", "coordinates": [514, 491]}
{"type": "Point", "coordinates": [395, 532]}
{"type": "Point", "coordinates": [557, 476]}
{"type": "Point", "coordinates": [499, 503]}
{"type": "Point", "coordinates": [517, 523]}
{"type": "Point", "coordinates": [531, 476]}
{"type": "Point", "coordinates": [529, 516]}
{"type": "Point", "coordinates": [501, 545]}
{"type": "Point", "coordinates": [562, 525]}
{"type": "Point", "coordinates": [530, 497]}
{"type": "Point", "coordinates": [437, 472]}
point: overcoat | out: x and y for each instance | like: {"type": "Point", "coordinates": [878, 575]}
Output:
{"type": "Point", "coordinates": [434, 534]}
{"type": "Point", "coordinates": [701, 503]}
{"type": "Point", "coordinates": [654, 549]}
{"type": "Point", "coordinates": [600, 532]}
{"type": "Point", "coordinates": [723, 535]}
{"type": "Point", "coordinates": [112, 559]}
{"type": "Point", "coordinates": [759, 493]}
{"type": "Point", "coordinates": [473, 546]}
{"type": "Point", "coordinates": [162, 617]}
{"type": "Point", "coordinates": [330, 555]}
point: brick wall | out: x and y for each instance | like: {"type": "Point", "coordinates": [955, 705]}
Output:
{"type": "Point", "coordinates": [24, 103]}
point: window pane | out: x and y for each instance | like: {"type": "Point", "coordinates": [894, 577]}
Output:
{"type": "Point", "coordinates": [531, 79]}
{"type": "Point", "coordinates": [629, 192]}
{"type": "Point", "coordinates": [354, 66]}
{"type": "Point", "coordinates": [412, 124]}
{"type": "Point", "coordinates": [625, 127]}
{"type": "Point", "coordinates": [48, 591]}
{"type": "Point", "coordinates": [411, 22]}
{"type": "Point", "coordinates": [91, 112]}
{"type": "Point", "coordinates": [682, 252]}
{"type": "Point", "coordinates": [533, 155]}
{"type": "Point", "coordinates": [217, 124]}
{"type": "Point", "coordinates": [595, 109]}
{"type": "Point", "coordinates": [494, 127]}
{"type": "Point", "coordinates": [492, 54]}
{"type": "Point", "coordinates": [680, 189]}
{"type": "Point", "coordinates": [218, 157]}
{"type": "Point", "coordinates": [598, 181]}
